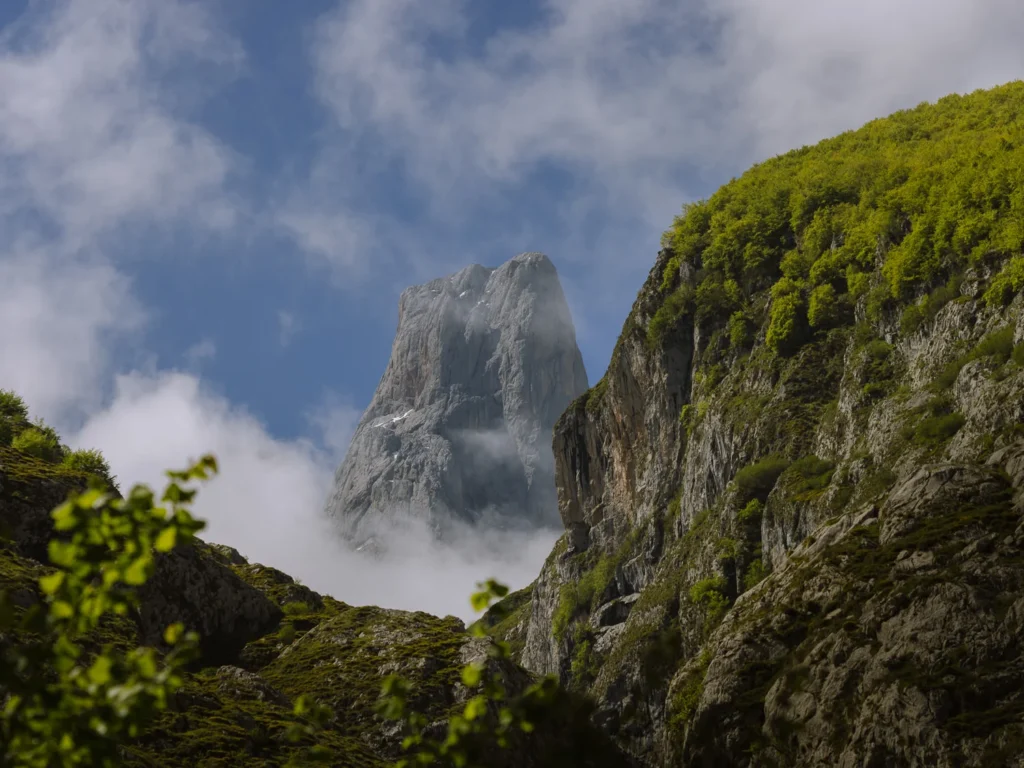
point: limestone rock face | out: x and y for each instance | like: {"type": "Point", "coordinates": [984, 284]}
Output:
{"type": "Point", "coordinates": [810, 559]}
{"type": "Point", "coordinates": [459, 429]}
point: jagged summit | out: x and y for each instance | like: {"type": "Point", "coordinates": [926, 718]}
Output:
{"type": "Point", "coordinates": [459, 429]}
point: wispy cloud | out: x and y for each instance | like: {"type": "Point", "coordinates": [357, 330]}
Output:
{"type": "Point", "coordinates": [287, 326]}
{"type": "Point", "coordinates": [199, 353]}
{"type": "Point", "coordinates": [333, 421]}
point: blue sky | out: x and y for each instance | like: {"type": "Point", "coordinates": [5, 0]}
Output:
{"type": "Point", "coordinates": [209, 209]}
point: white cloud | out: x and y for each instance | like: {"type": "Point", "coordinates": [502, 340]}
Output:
{"type": "Point", "coordinates": [89, 138]}
{"type": "Point", "coordinates": [604, 87]}
{"type": "Point", "coordinates": [58, 318]}
{"type": "Point", "coordinates": [268, 500]}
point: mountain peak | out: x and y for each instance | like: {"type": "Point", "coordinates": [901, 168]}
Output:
{"type": "Point", "coordinates": [483, 363]}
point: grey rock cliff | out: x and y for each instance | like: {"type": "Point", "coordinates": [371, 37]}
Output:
{"type": "Point", "coordinates": [866, 611]}
{"type": "Point", "coordinates": [459, 429]}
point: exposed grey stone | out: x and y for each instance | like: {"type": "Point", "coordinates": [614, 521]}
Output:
{"type": "Point", "coordinates": [616, 611]}
{"type": "Point", "coordinates": [459, 429]}
{"type": "Point", "coordinates": [242, 684]}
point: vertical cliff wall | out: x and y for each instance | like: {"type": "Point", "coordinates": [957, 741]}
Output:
{"type": "Point", "coordinates": [793, 505]}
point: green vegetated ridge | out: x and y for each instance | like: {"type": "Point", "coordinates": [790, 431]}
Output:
{"type": "Point", "coordinates": [36, 439]}
{"type": "Point", "coordinates": [851, 318]}
{"type": "Point", "coordinates": [904, 204]}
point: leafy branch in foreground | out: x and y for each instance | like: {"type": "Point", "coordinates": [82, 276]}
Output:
{"type": "Point", "coordinates": [489, 719]}
{"type": "Point", "coordinates": [68, 704]}
{"type": "Point", "coordinates": [65, 705]}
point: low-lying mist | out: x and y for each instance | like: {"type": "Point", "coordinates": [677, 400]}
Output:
{"type": "Point", "coordinates": [268, 499]}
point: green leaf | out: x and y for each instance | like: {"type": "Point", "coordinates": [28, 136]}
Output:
{"type": "Point", "coordinates": [62, 609]}
{"type": "Point", "coordinates": [475, 707]}
{"type": "Point", "coordinates": [62, 553]}
{"type": "Point", "coordinates": [99, 672]}
{"type": "Point", "coordinates": [471, 674]}
{"type": "Point", "coordinates": [480, 601]}
{"type": "Point", "coordinates": [167, 539]}
{"type": "Point", "coordinates": [137, 573]}
{"type": "Point", "coordinates": [64, 518]}
{"type": "Point", "coordinates": [173, 633]}
{"type": "Point", "coordinates": [51, 582]}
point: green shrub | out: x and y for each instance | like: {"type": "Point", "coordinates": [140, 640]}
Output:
{"type": "Point", "coordinates": [295, 608]}
{"type": "Point", "coordinates": [822, 311]}
{"type": "Point", "coordinates": [933, 423]}
{"type": "Point", "coordinates": [751, 513]}
{"type": "Point", "coordinates": [40, 443]}
{"type": "Point", "coordinates": [707, 590]}
{"type": "Point", "coordinates": [712, 300]}
{"type": "Point", "coordinates": [755, 574]}
{"type": "Point", "coordinates": [877, 350]}
{"type": "Point", "coordinates": [564, 610]}
{"type": "Point", "coordinates": [675, 509]}
{"type": "Point", "coordinates": [809, 475]}
{"type": "Point", "coordinates": [596, 395]}
{"type": "Point", "coordinates": [911, 319]}
{"type": "Point", "coordinates": [938, 429]}
{"type": "Point", "coordinates": [857, 283]}
{"type": "Point", "coordinates": [687, 695]}
{"type": "Point", "coordinates": [924, 191]}
{"type": "Point", "coordinates": [710, 595]}
{"type": "Point", "coordinates": [997, 345]}
{"type": "Point", "coordinates": [785, 317]}
{"type": "Point", "coordinates": [587, 591]}
{"type": "Point", "coordinates": [726, 549]}
{"type": "Point", "coordinates": [925, 310]}
{"type": "Point", "coordinates": [757, 480]}
{"type": "Point", "coordinates": [1007, 283]}
{"type": "Point", "coordinates": [12, 406]}
{"type": "Point", "coordinates": [686, 414]}
{"type": "Point", "coordinates": [878, 302]}
{"type": "Point", "coordinates": [13, 416]}
{"type": "Point", "coordinates": [948, 375]}
{"type": "Point", "coordinates": [679, 304]}
{"type": "Point", "coordinates": [739, 330]}
{"type": "Point", "coordinates": [89, 461]}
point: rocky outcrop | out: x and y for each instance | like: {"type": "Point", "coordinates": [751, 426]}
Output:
{"type": "Point", "coordinates": [483, 363]}
{"type": "Point", "coordinates": [189, 585]}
